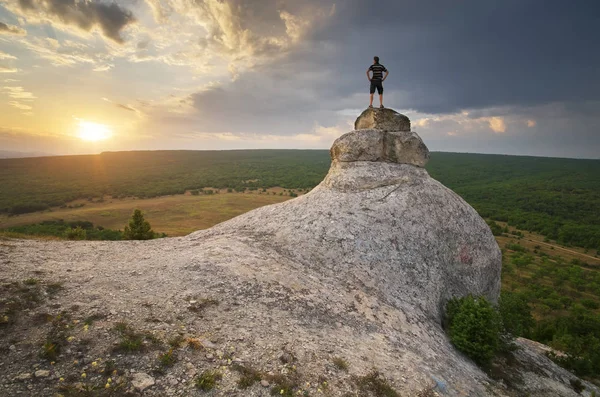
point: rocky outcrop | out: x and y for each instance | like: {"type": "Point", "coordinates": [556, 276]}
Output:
{"type": "Point", "coordinates": [401, 147]}
{"type": "Point", "coordinates": [360, 269]}
{"type": "Point", "coordinates": [382, 119]}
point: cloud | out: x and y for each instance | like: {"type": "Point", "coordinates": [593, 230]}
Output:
{"type": "Point", "coordinates": [109, 18]}
{"type": "Point", "coordinates": [18, 93]}
{"type": "Point", "coordinates": [8, 69]}
{"type": "Point", "coordinates": [19, 105]}
{"type": "Point", "coordinates": [103, 68]}
{"type": "Point", "coordinates": [12, 30]}
{"type": "Point", "coordinates": [531, 123]}
{"type": "Point", "coordinates": [497, 124]}
{"type": "Point", "coordinates": [4, 55]}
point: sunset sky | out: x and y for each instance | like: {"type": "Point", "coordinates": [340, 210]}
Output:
{"type": "Point", "coordinates": [511, 76]}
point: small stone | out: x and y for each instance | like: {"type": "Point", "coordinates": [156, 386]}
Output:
{"type": "Point", "coordinates": [42, 373]}
{"type": "Point", "coordinates": [23, 377]}
{"type": "Point", "coordinates": [264, 383]}
{"type": "Point", "coordinates": [209, 356]}
{"type": "Point", "coordinates": [142, 381]}
{"type": "Point", "coordinates": [12, 348]}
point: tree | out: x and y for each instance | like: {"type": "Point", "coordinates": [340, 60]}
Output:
{"type": "Point", "coordinates": [474, 327]}
{"type": "Point", "coordinates": [516, 314]}
{"type": "Point", "coordinates": [138, 228]}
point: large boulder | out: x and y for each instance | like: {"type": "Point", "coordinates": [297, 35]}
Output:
{"type": "Point", "coordinates": [382, 119]}
{"type": "Point", "coordinates": [402, 147]}
{"type": "Point", "coordinates": [360, 268]}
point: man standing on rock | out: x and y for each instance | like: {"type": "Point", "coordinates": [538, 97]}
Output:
{"type": "Point", "coordinates": [377, 80]}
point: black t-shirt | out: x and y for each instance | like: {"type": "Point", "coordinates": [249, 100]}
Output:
{"type": "Point", "coordinates": [377, 70]}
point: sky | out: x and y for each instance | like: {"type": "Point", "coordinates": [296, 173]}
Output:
{"type": "Point", "coordinates": [510, 77]}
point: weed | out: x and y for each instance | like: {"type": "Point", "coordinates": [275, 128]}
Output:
{"type": "Point", "coordinates": [131, 341]}
{"type": "Point", "coordinates": [340, 363]}
{"type": "Point", "coordinates": [195, 343]}
{"type": "Point", "coordinates": [176, 341]}
{"type": "Point", "coordinates": [377, 385]}
{"type": "Point", "coordinates": [110, 367]}
{"type": "Point", "coordinates": [31, 281]}
{"type": "Point", "coordinates": [50, 351]}
{"type": "Point", "coordinates": [167, 359]}
{"type": "Point", "coordinates": [284, 385]}
{"type": "Point", "coordinates": [208, 380]}
{"type": "Point", "coordinates": [248, 376]}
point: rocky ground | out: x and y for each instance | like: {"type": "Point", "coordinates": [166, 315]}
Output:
{"type": "Point", "coordinates": [85, 318]}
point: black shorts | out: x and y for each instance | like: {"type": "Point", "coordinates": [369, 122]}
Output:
{"type": "Point", "coordinates": [377, 84]}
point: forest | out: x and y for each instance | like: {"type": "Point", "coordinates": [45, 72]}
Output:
{"type": "Point", "coordinates": [558, 198]}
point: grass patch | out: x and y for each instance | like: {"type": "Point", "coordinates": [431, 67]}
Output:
{"type": "Point", "coordinates": [132, 341]}
{"type": "Point", "coordinates": [207, 380]}
{"type": "Point", "coordinates": [340, 364]}
{"type": "Point", "coordinates": [167, 359]}
{"type": "Point", "coordinates": [375, 384]}
{"type": "Point", "coordinates": [248, 376]}
{"type": "Point", "coordinates": [284, 385]}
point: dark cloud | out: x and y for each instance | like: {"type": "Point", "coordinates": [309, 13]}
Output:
{"type": "Point", "coordinates": [448, 55]}
{"type": "Point", "coordinates": [109, 17]}
{"type": "Point", "coordinates": [7, 29]}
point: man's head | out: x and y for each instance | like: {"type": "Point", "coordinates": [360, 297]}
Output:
{"type": "Point", "coordinates": [376, 59]}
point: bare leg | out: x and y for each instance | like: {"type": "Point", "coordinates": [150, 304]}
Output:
{"type": "Point", "coordinates": [381, 100]}
{"type": "Point", "coordinates": [371, 102]}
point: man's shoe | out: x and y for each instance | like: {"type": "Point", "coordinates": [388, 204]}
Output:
{"type": "Point", "coordinates": [381, 107]}
{"type": "Point", "coordinates": [370, 106]}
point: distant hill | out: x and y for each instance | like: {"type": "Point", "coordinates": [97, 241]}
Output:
{"type": "Point", "coordinates": [556, 197]}
{"type": "Point", "coordinates": [7, 154]}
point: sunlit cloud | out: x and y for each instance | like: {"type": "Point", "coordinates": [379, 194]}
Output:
{"type": "Point", "coordinates": [8, 69]}
{"type": "Point", "coordinates": [497, 124]}
{"type": "Point", "coordinates": [11, 30]}
{"type": "Point", "coordinates": [531, 123]}
{"type": "Point", "coordinates": [20, 105]}
{"type": "Point", "coordinates": [4, 55]}
{"type": "Point", "coordinates": [18, 93]}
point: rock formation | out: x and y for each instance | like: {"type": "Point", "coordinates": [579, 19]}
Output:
{"type": "Point", "coordinates": [360, 269]}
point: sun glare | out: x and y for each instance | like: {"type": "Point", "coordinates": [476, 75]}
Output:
{"type": "Point", "coordinates": [92, 131]}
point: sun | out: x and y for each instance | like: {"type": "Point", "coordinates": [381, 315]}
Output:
{"type": "Point", "coordinates": [89, 131]}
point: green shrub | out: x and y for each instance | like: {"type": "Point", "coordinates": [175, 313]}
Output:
{"type": "Point", "coordinates": [474, 327]}
{"type": "Point", "coordinates": [138, 228]}
{"type": "Point", "coordinates": [76, 234]}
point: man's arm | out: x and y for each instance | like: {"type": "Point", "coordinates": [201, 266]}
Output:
{"type": "Point", "coordinates": [368, 76]}
{"type": "Point", "coordinates": [386, 75]}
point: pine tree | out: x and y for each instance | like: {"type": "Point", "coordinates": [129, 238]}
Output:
{"type": "Point", "coordinates": [138, 228]}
